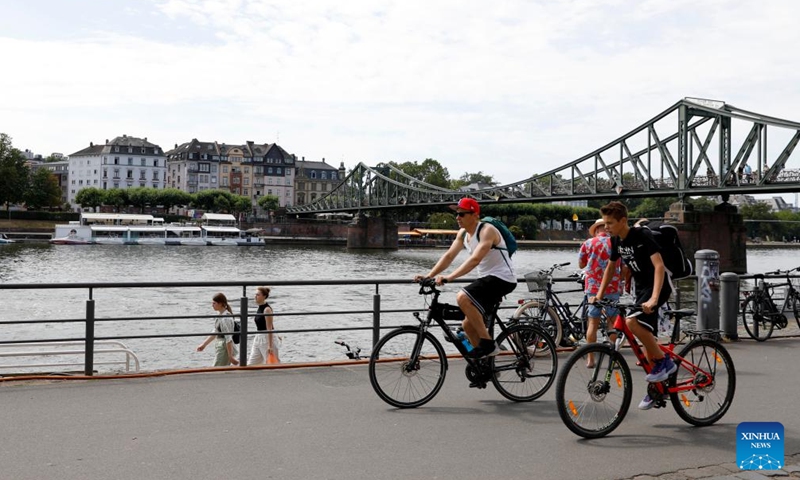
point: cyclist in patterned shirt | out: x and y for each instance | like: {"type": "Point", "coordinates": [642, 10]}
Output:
{"type": "Point", "coordinates": [593, 258]}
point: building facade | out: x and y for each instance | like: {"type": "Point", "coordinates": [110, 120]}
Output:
{"type": "Point", "coordinates": [124, 162]}
{"type": "Point", "coordinates": [61, 171]}
{"type": "Point", "coordinates": [251, 170]}
{"type": "Point", "coordinates": [315, 180]}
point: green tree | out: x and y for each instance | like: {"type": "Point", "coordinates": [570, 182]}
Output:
{"type": "Point", "coordinates": [429, 171]}
{"type": "Point", "coordinates": [140, 197]}
{"type": "Point", "coordinates": [171, 197]}
{"type": "Point", "coordinates": [90, 197]}
{"type": "Point", "coordinates": [529, 226]}
{"type": "Point", "coordinates": [442, 220]}
{"type": "Point", "coordinates": [14, 174]}
{"type": "Point", "coordinates": [759, 211]}
{"type": "Point", "coordinates": [269, 202]}
{"type": "Point", "coordinates": [703, 204]}
{"type": "Point", "coordinates": [213, 201]}
{"type": "Point", "coordinates": [516, 231]}
{"type": "Point", "coordinates": [44, 190]}
{"type": "Point", "coordinates": [116, 197]}
{"type": "Point", "coordinates": [470, 178]}
{"type": "Point", "coordinates": [651, 207]}
{"type": "Point", "coordinates": [241, 204]}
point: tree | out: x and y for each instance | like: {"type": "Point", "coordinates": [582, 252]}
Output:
{"type": "Point", "coordinates": [213, 200]}
{"type": "Point", "coordinates": [241, 204]}
{"type": "Point", "coordinates": [269, 202]}
{"type": "Point", "coordinates": [429, 171]}
{"type": "Point", "coordinates": [703, 204]}
{"type": "Point", "coordinates": [141, 197]}
{"type": "Point", "coordinates": [14, 173]}
{"type": "Point", "coordinates": [171, 197]}
{"type": "Point", "coordinates": [529, 226]}
{"type": "Point", "coordinates": [116, 197]}
{"type": "Point", "coordinates": [470, 178]}
{"type": "Point", "coordinates": [90, 197]}
{"type": "Point", "coordinates": [758, 211]}
{"type": "Point", "coordinates": [444, 221]}
{"type": "Point", "coordinates": [652, 207]}
{"type": "Point", "coordinates": [44, 190]}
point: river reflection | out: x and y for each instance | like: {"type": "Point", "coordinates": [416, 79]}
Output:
{"type": "Point", "coordinates": [42, 263]}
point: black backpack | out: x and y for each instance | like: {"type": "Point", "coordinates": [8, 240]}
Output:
{"type": "Point", "coordinates": [666, 236]}
{"type": "Point", "coordinates": [237, 327]}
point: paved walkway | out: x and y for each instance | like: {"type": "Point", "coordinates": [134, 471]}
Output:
{"type": "Point", "coordinates": [729, 471]}
{"type": "Point", "coordinates": [328, 423]}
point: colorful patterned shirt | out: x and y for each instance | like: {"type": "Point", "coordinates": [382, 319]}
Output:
{"type": "Point", "coordinates": [596, 252]}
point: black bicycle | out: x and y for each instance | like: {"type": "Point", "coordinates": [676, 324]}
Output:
{"type": "Point", "coordinates": [565, 325]}
{"type": "Point", "coordinates": [760, 314]}
{"type": "Point", "coordinates": [408, 365]}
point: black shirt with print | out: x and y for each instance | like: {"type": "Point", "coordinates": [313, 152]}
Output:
{"type": "Point", "coordinates": [636, 250]}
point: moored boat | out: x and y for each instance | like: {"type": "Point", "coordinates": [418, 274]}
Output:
{"type": "Point", "coordinates": [5, 240]}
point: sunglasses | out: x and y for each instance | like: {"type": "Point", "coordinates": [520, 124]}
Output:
{"type": "Point", "coordinates": [461, 214]}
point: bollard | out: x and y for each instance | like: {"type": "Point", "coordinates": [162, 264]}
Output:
{"type": "Point", "coordinates": [707, 293]}
{"type": "Point", "coordinates": [729, 305]}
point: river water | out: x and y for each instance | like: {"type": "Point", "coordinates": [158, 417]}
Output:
{"type": "Point", "coordinates": [44, 263]}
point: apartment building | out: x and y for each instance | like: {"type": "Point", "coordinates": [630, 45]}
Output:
{"type": "Point", "coordinates": [316, 179]}
{"type": "Point", "coordinates": [123, 162]}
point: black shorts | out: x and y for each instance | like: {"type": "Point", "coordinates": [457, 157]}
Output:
{"type": "Point", "coordinates": [486, 292]}
{"type": "Point", "coordinates": [650, 320]}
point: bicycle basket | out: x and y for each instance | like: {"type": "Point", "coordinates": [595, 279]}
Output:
{"type": "Point", "coordinates": [536, 281]}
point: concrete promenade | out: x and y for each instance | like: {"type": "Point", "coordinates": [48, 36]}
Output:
{"type": "Point", "coordinates": [327, 423]}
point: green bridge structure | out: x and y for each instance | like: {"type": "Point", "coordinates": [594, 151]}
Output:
{"type": "Point", "coordinates": [696, 147]}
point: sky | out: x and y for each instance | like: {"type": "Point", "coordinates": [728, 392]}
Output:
{"type": "Point", "coordinates": [508, 87]}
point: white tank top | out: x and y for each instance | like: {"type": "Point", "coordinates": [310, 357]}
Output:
{"type": "Point", "coordinates": [497, 262]}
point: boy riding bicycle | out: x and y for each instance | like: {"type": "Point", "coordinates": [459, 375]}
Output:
{"type": "Point", "coordinates": [496, 272]}
{"type": "Point", "coordinates": [641, 254]}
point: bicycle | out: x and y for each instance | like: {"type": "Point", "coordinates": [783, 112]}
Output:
{"type": "Point", "coordinates": [760, 314]}
{"type": "Point", "coordinates": [408, 365]}
{"type": "Point", "coordinates": [550, 313]}
{"type": "Point", "coordinates": [592, 402]}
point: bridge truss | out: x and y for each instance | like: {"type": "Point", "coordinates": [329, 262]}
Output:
{"type": "Point", "coordinates": [686, 150]}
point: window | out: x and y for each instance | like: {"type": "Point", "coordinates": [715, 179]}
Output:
{"type": "Point", "coordinates": [224, 169]}
{"type": "Point", "coordinates": [269, 192]}
{"type": "Point", "coordinates": [155, 162]}
{"type": "Point", "coordinates": [246, 192]}
{"type": "Point", "coordinates": [95, 172]}
{"type": "Point", "coordinates": [105, 160]}
{"type": "Point", "coordinates": [236, 180]}
{"type": "Point", "coordinates": [130, 174]}
{"type": "Point", "coordinates": [313, 174]}
{"type": "Point", "coordinates": [130, 149]}
{"type": "Point", "coordinates": [214, 168]}
{"type": "Point", "coordinates": [116, 160]}
{"type": "Point", "coordinates": [116, 173]}
{"type": "Point", "coordinates": [278, 170]}
{"type": "Point", "coordinates": [269, 170]}
{"type": "Point", "coordinates": [213, 179]}
{"type": "Point", "coordinates": [155, 176]}
{"type": "Point", "coordinates": [143, 151]}
{"type": "Point", "coordinates": [142, 184]}
{"type": "Point", "coordinates": [116, 149]}
{"type": "Point", "coordinates": [130, 160]}
{"type": "Point", "coordinates": [204, 167]}
{"type": "Point", "coordinates": [247, 180]}
{"type": "Point", "coordinates": [324, 175]}
{"type": "Point", "coordinates": [105, 173]}
{"type": "Point", "coordinates": [246, 169]}
{"type": "Point", "coordinates": [224, 181]}
{"type": "Point", "coordinates": [269, 180]}
{"type": "Point", "coordinates": [116, 184]}
{"type": "Point", "coordinates": [143, 162]}
{"type": "Point", "coordinates": [142, 174]}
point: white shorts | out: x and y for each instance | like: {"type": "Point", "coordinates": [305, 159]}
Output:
{"type": "Point", "coordinates": [259, 354]}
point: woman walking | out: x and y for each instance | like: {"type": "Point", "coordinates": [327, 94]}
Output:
{"type": "Point", "coordinates": [265, 346]}
{"type": "Point", "coordinates": [226, 351]}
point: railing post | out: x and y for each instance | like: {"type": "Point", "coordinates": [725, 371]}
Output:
{"type": "Point", "coordinates": [376, 317]}
{"type": "Point", "coordinates": [729, 303]}
{"type": "Point", "coordinates": [243, 332]}
{"type": "Point", "coordinates": [88, 350]}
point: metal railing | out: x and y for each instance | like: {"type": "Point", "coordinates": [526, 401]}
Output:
{"type": "Point", "coordinates": [50, 349]}
{"type": "Point", "coordinates": [91, 340]}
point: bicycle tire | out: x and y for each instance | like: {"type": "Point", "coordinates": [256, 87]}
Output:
{"type": "Point", "coordinates": [795, 300]}
{"type": "Point", "coordinates": [588, 405]}
{"type": "Point", "coordinates": [521, 374]}
{"type": "Point", "coordinates": [388, 364]}
{"type": "Point", "coordinates": [534, 313]}
{"type": "Point", "coordinates": [702, 407]}
{"type": "Point", "coordinates": [754, 318]}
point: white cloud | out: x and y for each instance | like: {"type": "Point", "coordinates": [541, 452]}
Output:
{"type": "Point", "coordinates": [509, 89]}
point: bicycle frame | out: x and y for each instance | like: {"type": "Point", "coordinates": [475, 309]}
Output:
{"type": "Point", "coordinates": [624, 332]}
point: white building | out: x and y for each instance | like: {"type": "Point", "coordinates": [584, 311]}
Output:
{"type": "Point", "coordinates": [124, 162]}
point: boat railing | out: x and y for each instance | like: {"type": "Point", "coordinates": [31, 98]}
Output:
{"type": "Point", "coordinates": [66, 349]}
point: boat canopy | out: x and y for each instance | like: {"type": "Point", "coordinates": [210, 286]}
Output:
{"type": "Point", "coordinates": [146, 229]}
{"type": "Point", "coordinates": [221, 229]}
{"type": "Point", "coordinates": [218, 217]}
{"type": "Point", "coordinates": [109, 228]}
{"type": "Point", "coordinates": [115, 218]}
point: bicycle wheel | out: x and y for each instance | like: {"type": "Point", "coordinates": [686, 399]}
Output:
{"type": "Point", "coordinates": [521, 372]}
{"type": "Point", "coordinates": [703, 406]}
{"type": "Point", "coordinates": [794, 301]}
{"type": "Point", "coordinates": [399, 382]}
{"type": "Point", "coordinates": [755, 314]}
{"type": "Point", "coordinates": [535, 313]}
{"type": "Point", "coordinates": [592, 402]}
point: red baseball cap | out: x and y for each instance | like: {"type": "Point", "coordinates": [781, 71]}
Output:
{"type": "Point", "coordinates": [467, 204]}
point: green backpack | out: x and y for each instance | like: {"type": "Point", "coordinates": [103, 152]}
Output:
{"type": "Point", "coordinates": [508, 237]}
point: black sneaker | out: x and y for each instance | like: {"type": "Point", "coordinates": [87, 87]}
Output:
{"type": "Point", "coordinates": [486, 348]}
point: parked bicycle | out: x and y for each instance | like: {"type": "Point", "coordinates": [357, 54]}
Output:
{"type": "Point", "coordinates": [565, 325]}
{"type": "Point", "coordinates": [408, 365]}
{"type": "Point", "coordinates": [760, 314]}
{"type": "Point", "coordinates": [592, 402]}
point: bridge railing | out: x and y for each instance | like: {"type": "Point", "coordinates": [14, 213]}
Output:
{"type": "Point", "coordinates": [388, 310]}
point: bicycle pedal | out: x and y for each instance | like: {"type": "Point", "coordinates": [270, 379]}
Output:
{"type": "Point", "coordinates": [479, 385]}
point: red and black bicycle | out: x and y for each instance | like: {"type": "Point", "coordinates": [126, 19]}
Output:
{"type": "Point", "coordinates": [593, 401]}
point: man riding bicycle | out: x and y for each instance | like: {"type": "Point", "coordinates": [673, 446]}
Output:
{"type": "Point", "coordinates": [496, 272]}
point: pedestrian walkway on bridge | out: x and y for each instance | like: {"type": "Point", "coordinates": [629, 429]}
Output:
{"type": "Point", "coordinates": [328, 423]}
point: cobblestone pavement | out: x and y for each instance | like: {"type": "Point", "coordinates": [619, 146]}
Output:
{"type": "Point", "coordinates": [729, 471]}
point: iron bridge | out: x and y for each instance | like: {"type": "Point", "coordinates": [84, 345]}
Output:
{"type": "Point", "coordinates": [686, 150]}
